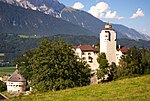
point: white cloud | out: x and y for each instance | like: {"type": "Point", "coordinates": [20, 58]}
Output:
{"type": "Point", "coordinates": [112, 15]}
{"type": "Point", "coordinates": [78, 5]}
{"type": "Point", "coordinates": [102, 6]}
{"type": "Point", "coordinates": [139, 13]}
{"type": "Point", "coordinates": [102, 10]}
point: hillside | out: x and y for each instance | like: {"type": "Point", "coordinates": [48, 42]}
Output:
{"type": "Point", "coordinates": [13, 45]}
{"type": "Point", "coordinates": [132, 89]}
{"type": "Point", "coordinates": [14, 19]}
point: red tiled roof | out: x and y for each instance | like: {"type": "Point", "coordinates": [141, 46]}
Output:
{"type": "Point", "coordinates": [123, 49]}
{"type": "Point", "coordinates": [86, 48]}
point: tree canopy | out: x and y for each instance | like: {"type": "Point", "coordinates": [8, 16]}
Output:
{"type": "Point", "coordinates": [53, 66]}
{"type": "Point", "coordinates": [103, 66]}
{"type": "Point", "coordinates": [3, 86]}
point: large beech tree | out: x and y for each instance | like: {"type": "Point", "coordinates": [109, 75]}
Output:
{"type": "Point", "coordinates": [53, 66]}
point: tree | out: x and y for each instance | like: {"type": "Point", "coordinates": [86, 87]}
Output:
{"type": "Point", "coordinates": [3, 86]}
{"type": "Point", "coordinates": [113, 72]}
{"type": "Point", "coordinates": [145, 61]}
{"type": "Point", "coordinates": [131, 63]}
{"type": "Point", "coordinates": [53, 66]}
{"type": "Point", "coordinates": [103, 66]}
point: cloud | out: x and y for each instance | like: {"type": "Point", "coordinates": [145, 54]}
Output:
{"type": "Point", "coordinates": [112, 15]}
{"type": "Point", "coordinates": [102, 10]}
{"type": "Point", "coordinates": [78, 5]}
{"type": "Point", "coordinates": [102, 6]}
{"type": "Point", "coordinates": [138, 13]}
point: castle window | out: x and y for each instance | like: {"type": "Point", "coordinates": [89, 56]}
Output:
{"type": "Point", "coordinates": [89, 53]}
{"type": "Point", "coordinates": [109, 36]}
{"type": "Point", "coordinates": [90, 59]}
{"type": "Point", "coordinates": [83, 53]}
{"type": "Point", "coordinates": [83, 58]}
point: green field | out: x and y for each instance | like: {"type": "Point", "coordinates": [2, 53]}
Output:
{"type": "Point", "coordinates": [34, 36]}
{"type": "Point", "coordinates": [132, 89]}
{"type": "Point", "coordinates": [6, 70]}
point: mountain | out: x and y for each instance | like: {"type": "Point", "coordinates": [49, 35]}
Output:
{"type": "Point", "coordinates": [88, 21]}
{"type": "Point", "coordinates": [79, 18]}
{"type": "Point", "coordinates": [14, 19]}
{"type": "Point", "coordinates": [52, 7]}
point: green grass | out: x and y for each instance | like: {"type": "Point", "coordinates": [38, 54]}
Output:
{"type": "Point", "coordinates": [34, 36]}
{"type": "Point", "coordinates": [132, 89]}
{"type": "Point", "coordinates": [6, 70]}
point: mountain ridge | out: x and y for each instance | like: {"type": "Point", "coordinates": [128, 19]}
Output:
{"type": "Point", "coordinates": [18, 20]}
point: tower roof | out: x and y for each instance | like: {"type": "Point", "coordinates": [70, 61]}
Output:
{"type": "Point", "coordinates": [16, 76]}
{"type": "Point", "coordinates": [108, 26]}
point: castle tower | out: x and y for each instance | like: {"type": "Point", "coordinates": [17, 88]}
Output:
{"type": "Point", "coordinates": [108, 43]}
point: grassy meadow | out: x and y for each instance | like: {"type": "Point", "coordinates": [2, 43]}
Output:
{"type": "Point", "coordinates": [6, 70]}
{"type": "Point", "coordinates": [131, 89]}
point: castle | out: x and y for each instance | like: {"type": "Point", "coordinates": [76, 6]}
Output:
{"type": "Point", "coordinates": [108, 40]}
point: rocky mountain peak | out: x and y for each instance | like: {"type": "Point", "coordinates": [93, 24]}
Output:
{"type": "Point", "coordinates": [52, 7]}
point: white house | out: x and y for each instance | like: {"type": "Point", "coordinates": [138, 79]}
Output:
{"type": "Point", "coordinates": [16, 82]}
{"type": "Point", "coordinates": [89, 54]}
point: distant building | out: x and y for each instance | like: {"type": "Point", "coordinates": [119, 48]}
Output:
{"type": "Point", "coordinates": [16, 82]}
{"type": "Point", "coordinates": [89, 54]}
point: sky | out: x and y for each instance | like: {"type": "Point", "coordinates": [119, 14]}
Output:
{"type": "Point", "coordinates": [131, 13]}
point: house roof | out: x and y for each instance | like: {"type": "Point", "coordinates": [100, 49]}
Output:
{"type": "Point", "coordinates": [86, 48]}
{"type": "Point", "coordinates": [16, 77]}
{"type": "Point", "coordinates": [123, 49]}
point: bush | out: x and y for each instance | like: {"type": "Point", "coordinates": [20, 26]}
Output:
{"type": "Point", "coordinates": [3, 86]}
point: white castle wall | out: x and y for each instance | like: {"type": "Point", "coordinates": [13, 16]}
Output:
{"type": "Point", "coordinates": [108, 44]}
{"type": "Point", "coordinates": [15, 86]}
{"type": "Point", "coordinates": [84, 55]}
